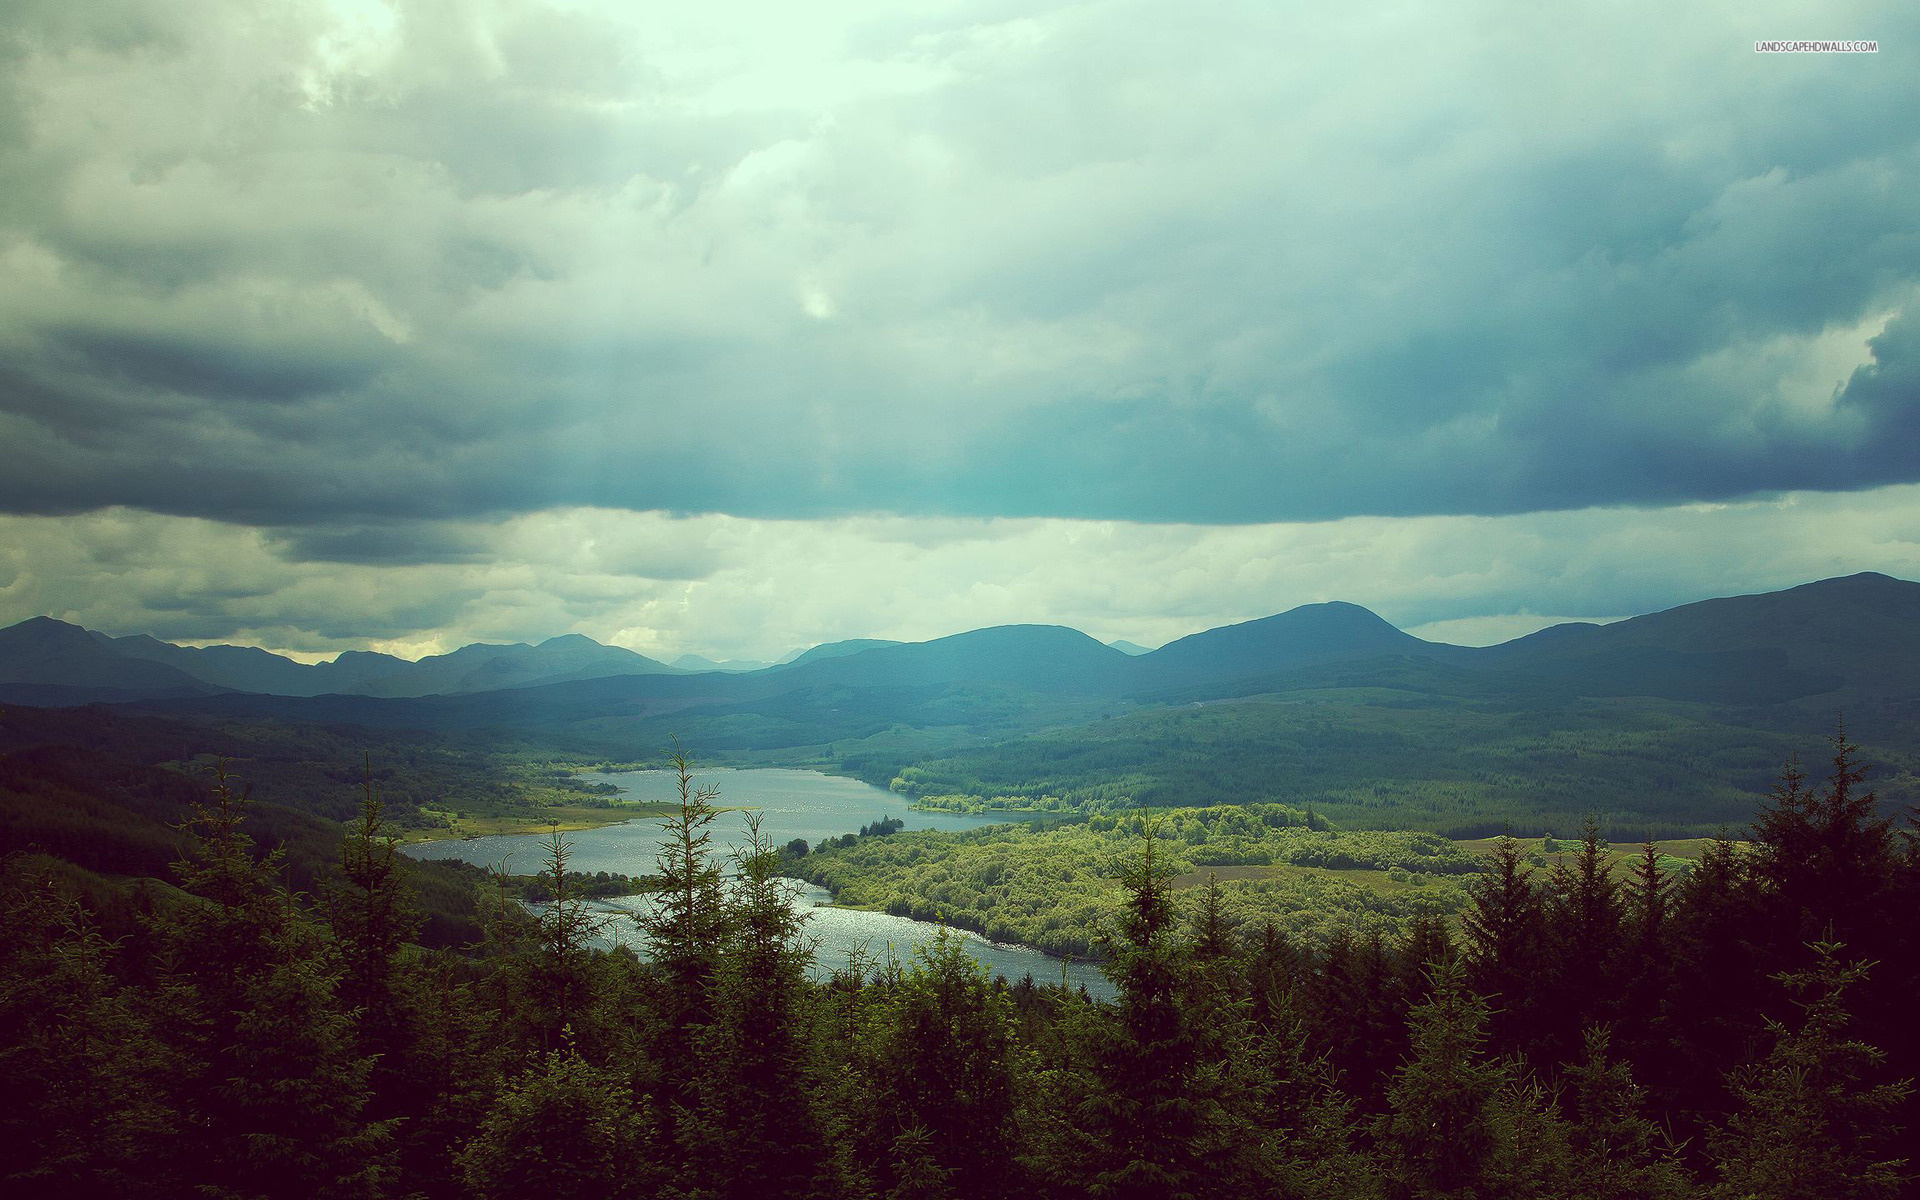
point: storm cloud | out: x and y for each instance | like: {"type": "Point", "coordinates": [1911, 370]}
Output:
{"type": "Point", "coordinates": [1233, 263]}
{"type": "Point", "coordinates": [410, 294]}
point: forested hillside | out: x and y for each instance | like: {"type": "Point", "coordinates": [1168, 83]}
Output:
{"type": "Point", "coordinates": [107, 794]}
{"type": "Point", "coordinates": [1584, 1035]}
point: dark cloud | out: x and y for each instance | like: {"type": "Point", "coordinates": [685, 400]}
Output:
{"type": "Point", "coordinates": [279, 268]}
{"type": "Point", "coordinates": [410, 544]}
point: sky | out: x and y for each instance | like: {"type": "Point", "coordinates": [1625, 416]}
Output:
{"type": "Point", "coordinates": [733, 328]}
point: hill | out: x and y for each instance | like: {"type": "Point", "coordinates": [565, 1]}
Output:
{"type": "Point", "coordinates": [482, 667]}
{"type": "Point", "coordinates": [44, 661]}
{"type": "Point", "coordinates": [1308, 634]}
{"type": "Point", "coordinates": [838, 650]}
{"type": "Point", "coordinates": [1831, 643]}
{"type": "Point", "coordinates": [251, 669]}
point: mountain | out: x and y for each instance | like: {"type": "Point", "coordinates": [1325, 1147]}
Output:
{"type": "Point", "coordinates": [1039, 658]}
{"type": "Point", "coordinates": [1836, 640]}
{"type": "Point", "coordinates": [482, 667]}
{"type": "Point", "coordinates": [1827, 643]}
{"type": "Point", "coordinates": [44, 661]}
{"type": "Point", "coordinates": [1126, 647]}
{"type": "Point", "coordinates": [251, 669]}
{"type": "Point", "coordinates": [838, 650]}
{"type": "Point", "coordinates": [1300, 636]}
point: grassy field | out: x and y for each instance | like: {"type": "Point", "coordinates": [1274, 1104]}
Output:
{"type": "Point", "coordinates": [564, 818]}
{"type": "Point", "coordinates": [1382, 883]}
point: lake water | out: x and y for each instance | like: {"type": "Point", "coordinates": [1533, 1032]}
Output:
{"type": "Point", "coordinates": [841, 933]}
{"type": "Point", "coordinates": [791, 804]}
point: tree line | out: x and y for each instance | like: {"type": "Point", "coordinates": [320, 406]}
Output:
{"type": "Point", "coordinates": [1741, 1034]}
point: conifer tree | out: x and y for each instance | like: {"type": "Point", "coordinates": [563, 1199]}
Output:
{"type": "Point", "coordinates": [949, 1074]}
{"type": "Point", "coordinates": [1716, 1015]}
{"type": "Point", "coordinates": [560, 972]}
{"type": "Point", "coordinates": [1439, 1135]}
{"type": "Point", "coordinates": [1828, 867]}
{"type": "Point", "coordinates": [271, 1086]}
{"type": "Point", "coordinates": [83, 1111]}
{"type": "Point", "coordinates": [684, 930]}
{"type": "Point", "coordinates": [1584, 946]}
{"type": "Point", "coordinates": [373, 916]}
{"type": "Point", "coordinates": [754, 1132]}
{"type": "Point", "coordinates": [1502, 931]}
{"type": "Point", "coordinates": [683, 933]}
{"type": "Point", "coordinates": [1618, 1154]}
{"type": "Point", "coordinates": [1143, 1116]}
{"type": "Point", "coordinates": [1428, 943]}
{"type": "Point", "coordinates": [562, 1127]}
{"type": "Point", "coordinates": [1816, 1117]}
{"type": "Point", "coordinates": [1645, 1029]}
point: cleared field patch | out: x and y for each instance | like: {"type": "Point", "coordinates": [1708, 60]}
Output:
{"type": "Point", "coordinates": [1382, 882]}
{"type": "Point", "coordinates": [562, 818]}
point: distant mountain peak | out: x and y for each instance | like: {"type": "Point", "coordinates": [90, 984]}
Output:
{"type": "Point", "coordinates": [48, 624]}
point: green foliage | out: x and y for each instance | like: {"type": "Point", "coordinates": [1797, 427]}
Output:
{"type": "Point", "coordinates": [1442, 1129]}
{"type": "Point", "coordinates": [84, 1110]}
{"type": "Point", "coordinates": [231, 1045]}
{"type": "Point", "coordinates": [753, 1132]}
{"type": "Point", "coordinates": [1053, 888]}
{"type": "Point", "coordinates": [1429, 756]}
{"type": "Point", "coordinates": [271, 1086]}
{"type": "Point", "coordinates": [1813, 1119]}
{"type": "Point", "coordinates": [562, 1127]}
{"type": "Point", "coordinates": [1618, 1154]}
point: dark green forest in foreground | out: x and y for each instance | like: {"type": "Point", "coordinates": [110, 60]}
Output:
{"type": "Point", "coordinates": [1581, 1033]}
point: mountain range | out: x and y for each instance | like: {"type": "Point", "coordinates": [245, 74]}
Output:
{"type": "Point", "coordinates": [1836, 639]}
{"type": "Point", "coordinates": [1671, 721]}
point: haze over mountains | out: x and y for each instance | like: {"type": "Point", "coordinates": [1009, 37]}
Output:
{"type": "Point", "coordinates": [1851, 636]}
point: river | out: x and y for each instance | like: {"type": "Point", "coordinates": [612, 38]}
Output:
{"type": "Point", "coordinates": [791, 804]}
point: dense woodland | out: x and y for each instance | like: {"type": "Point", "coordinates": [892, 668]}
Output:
{"type": "Point", "coordinates": [1741, 1034]}
{"type": "Point", "coordinates": [1054, 886]}
{"type": "Point", "coordinates": [1405, 754]}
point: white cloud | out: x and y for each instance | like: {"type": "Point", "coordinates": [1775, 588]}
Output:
{"type": "Point", "coordinates": [740, 588]}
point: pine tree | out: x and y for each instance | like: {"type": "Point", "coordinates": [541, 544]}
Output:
{"type": "Point", "coordinates": [559, 985]}
{"type": "Point", "coordinates": [563, 1127]}
{"type": "Point", "coordinates": [1828, 867]}
{"type": "Point", "coordinates": [684, 930]}
{"type": "Point", "coordinates": [1618, 1154]}
{"type": "Point", "coordinates": [1584, 946]}
{"type": "Point", "coordinates": [1144, 1117]}
{"type": "Point", "coordinates": [1428, 943]}
{"type": "Point", "coordinates": [1716, 1015]}
{"type": "Point", "coordinates": [83, 1111]}
{"type": "Point", "coordinates": [271, 1085]}
{"type": "Point", "coordinates": [753, 1131]}
{"type": "Point", "coordinates": [371, 912]}
{"type": "Point", "coordinates": [950, 1073]}
{"type": "Point", "coordinates": [1816, 1117]}
{"type": "Point", "coordinates": [1440, 1133]}
{"type": "Point", "coordinates": [1502, 931]}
